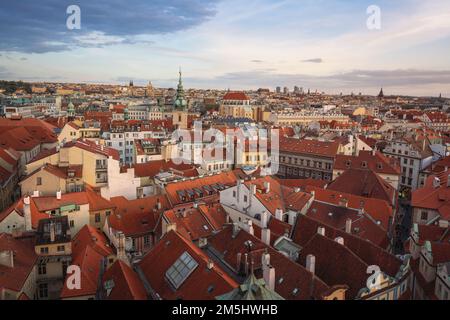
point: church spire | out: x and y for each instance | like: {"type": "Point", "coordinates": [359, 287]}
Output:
{"type": "Point", "coordinates": [180, 101]}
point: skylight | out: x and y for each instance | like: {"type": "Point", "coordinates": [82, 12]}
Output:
{"type": "Point", "coordinates": [181, 270]}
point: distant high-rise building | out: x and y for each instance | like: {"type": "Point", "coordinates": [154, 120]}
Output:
{"type": "Point", "coordinates": [286, 90]}
{"type": "Point", "coordinates": [278, 90]}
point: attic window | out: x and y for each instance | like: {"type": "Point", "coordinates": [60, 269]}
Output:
{"type": "Point", "coordinates": [380, 166]}
{"type": "Point", "coordinates": [349, 163]}
{"type": "Point", "coordinates": [280, 281]}
{"type": "Point", "coordinates": [364, 164]}
{"type": "Point", "coordinates": [181, 270]}
{"type": "Point", "coordinates": [295, 291]}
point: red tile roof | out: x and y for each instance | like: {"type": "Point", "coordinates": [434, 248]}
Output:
{"type": "Point", "coordinates": [294, 275]}
{"type": "Point", "coordinates": [152, 168]}
{"type": "Point", "coordinates": [127, 285]}
{"type": "Point", "coordinates": [279, 196]}
{"type": "Point", "coordinates": [313, 147]}
{"type": "Point", "coordinates": [435, 198]}
{"type": "Point", "coordinates": [364, 183]}
{"type": "Point", "coordinates": [366, 160]}
{"type": "Point", "coordinates": [201, 284]}
{"type": "Point", "coordinates": [225, 178]}
{"type": "Point", "coordinates": [137, 217]}
{"type": "Point", "coordinates": [235, 96]}
{"type": "Point", "coordinates": [24, 260]}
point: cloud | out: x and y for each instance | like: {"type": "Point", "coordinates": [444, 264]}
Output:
{"type": "Point", "coordinates": [315, 60]}
{"type": "Point", "coordinates": [40, 26]}
{"type": "Point", "coordinates": [257, 61]}
{"type": "Point", "coordinates": [351, 80]}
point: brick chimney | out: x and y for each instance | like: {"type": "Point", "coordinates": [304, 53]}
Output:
{"type": "Point", "coordinates": [265, 236]}
{"type": "Point", "coordinates": [264, 219]}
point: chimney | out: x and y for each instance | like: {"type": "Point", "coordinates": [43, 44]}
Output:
{"type": "Point", "coordinates": [158, 204]}
{"type": "Point", "coordinates": [311, 263]}
{"type": "Point", "coordinates": [297, 190]}
{"type": "Point", "coordinates": [436, 182]}
{"type": "Point", "coordinates": [279, 214]}
{"type": "Point", "coordinates": [35, 194]}
{"type": "Point", "coordinates": [339, 240]}
{"type": "Point", "coordinates": [58, 195]}
{"type": "Point", "coordinates": [443, 223]}
{"type": "Point", "coordinates": [269, 276]}
{"type": "Point", "coordinates": [27, 214]}
{"type": "Point", "coordinates": [171, 227]}
{"type": "Point", "coordinates": [7, 258]}
{"type": "Point", "coordinates": [267, 186]}
{"type": "Point", "coordinates": [250, 227]}
{"type": "Point", "coordinates": [265, 236]}
{"type": "Point", "coordinates": [264, 219]}
{"type": "Point", "coordinates": [238, 262]}
{"type": "Point", "coordinates": [252, 189]}
{"type": "Point", "coordinates": [343, 202]}
{"type": "Point", "coordinates": [321, 231]}
{"type": "Point", "coordinates": [210, 264]}
{"type": "Point", "coordinates": [121, 253]}
{"type": "Point", "coordinates": [236, 229]}
{"type": "Point", "coordinates": [202, 242]}
{"type": "Point", "coordinates": [52, 231]}
{"type": "Point", "coordinates": [348, 225]}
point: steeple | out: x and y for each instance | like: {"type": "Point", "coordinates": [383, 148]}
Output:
{"type": "Point", "coordinates": [180, 102]}
{"type": "Point", "coordinates": [381, 94]}
{"type": "Point", "coordinates": [71, 109]}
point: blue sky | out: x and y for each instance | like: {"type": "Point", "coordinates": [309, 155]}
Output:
{"type": "Point", "coordinates": [316, 44]}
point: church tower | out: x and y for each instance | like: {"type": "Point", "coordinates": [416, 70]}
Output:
{"type": "Point", "coordinates": [180, 114]}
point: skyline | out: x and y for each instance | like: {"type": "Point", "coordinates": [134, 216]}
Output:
{"type": "Point", "coordinates": [323, 46]}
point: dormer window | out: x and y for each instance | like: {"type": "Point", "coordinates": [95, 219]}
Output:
{"type": "Point", "coordinates": [364, 164]}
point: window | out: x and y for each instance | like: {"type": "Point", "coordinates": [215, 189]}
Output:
{"type": "Point", "coordinates": [60, 248]}
{"type": "Point", "coordinates": [97, 218]}
{"type": "Point", "coordinates": [245, 198]}
{"type": "Point", "coordinates": [234, 194]}
{"type": "Point", "coordinates": [424, 215]}
{"type": "Point", "coordinates": [72, 223]}
{"type": "Point", "coordinates": [43, 290]}
{"type": "Point", "coordinates": [146, 240]}
{"type": "Point", "coordinates": [44, 250]}
{"type": "Point", "coordinates": [181, 269]}
{"type": "Point", "coordinates": [108, 213]}
{"type": "Point", "coordinates": [38, 181]}
{"type": "Point", "coordinates": [42, 268]}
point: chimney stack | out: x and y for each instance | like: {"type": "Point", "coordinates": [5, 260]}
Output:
{"type": "Point", "coordinates": [265, 236]}
{"type": "Point", "coordinates": [7, 258]}
{"type": "Point", "coordinates": [339, 240]}
{"type": "Point", "coordinates": [210, 264]}
{"type": "Point", "coordinates": [58, 195]}
{"type": "Point", "coordinates": [348, 225]}
{"type": "Point", "coordinates": [268, 271]}
{"type": "Point", "coordinates": [158, 204]}
{"type": "Point", "coordinates": [264, 219]}
{"type": "Point", "coordinates": [267, 186]}
{"type": "Point", "coordinates": [279, 214]}
{"type": "Point", "coordinates": [311, 263]}
{"type": "Point", "coordinates": [121, 252]}
{"type": "Point", "coordinates": [250, 228]}
{"type": "Point", "coordinates": [321, 231]}
{"type": "Point", "coordinates": [27, 214]}
{"type": "Point", "coordinates": [238, 262]}
{"type": "Point", "coordinates": [171, 227]}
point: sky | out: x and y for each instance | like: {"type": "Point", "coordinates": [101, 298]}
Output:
{"type": "Point", "coordinates": [322, 45]}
